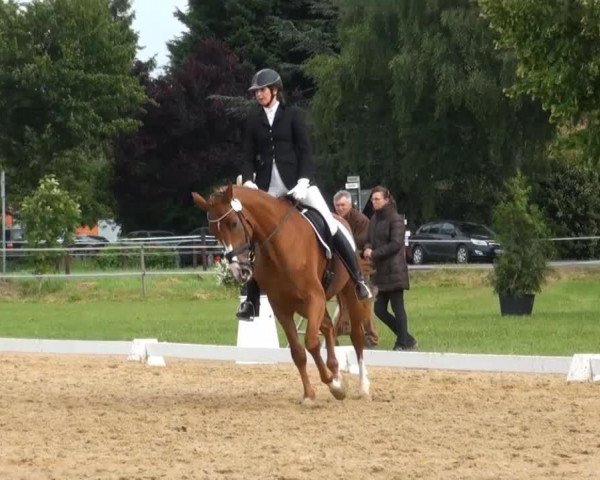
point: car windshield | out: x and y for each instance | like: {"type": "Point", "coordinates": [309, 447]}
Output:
{"type": "Point", "coordinates": [476, 230]}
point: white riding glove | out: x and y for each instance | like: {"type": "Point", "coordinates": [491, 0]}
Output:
{"type": "Point", "coordinates": [250, 184]}
{"type": "Point", "coordinates": [299, 191]}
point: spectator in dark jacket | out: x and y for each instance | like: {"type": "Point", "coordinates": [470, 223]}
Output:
{"type": "Point", "coordinates": [385, 248]}
{"type": "Point", "coordinates": [359, 224]}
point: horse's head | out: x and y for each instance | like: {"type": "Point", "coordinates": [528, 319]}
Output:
{"type": "Point", "coordinates": [231, 228]}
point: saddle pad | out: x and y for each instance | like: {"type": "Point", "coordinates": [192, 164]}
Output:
{"type": "Point", "coordinates": [318, 224]}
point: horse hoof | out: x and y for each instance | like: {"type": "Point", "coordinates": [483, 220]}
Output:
{"type": "Point", "coordinates": [364, 391]}
{"type": "Point", "coordinates": [337, 389]}
{"type": "Point", "coordinates": [308, 402]}
{"type": "Point", "coordinates": [365, 396]}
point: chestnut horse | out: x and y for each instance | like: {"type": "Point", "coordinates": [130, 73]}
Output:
{"type": "Point", "coordinates": [267, 237]}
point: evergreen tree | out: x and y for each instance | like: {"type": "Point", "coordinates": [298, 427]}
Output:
{"type": "Point", "coordinates": [279, 34]}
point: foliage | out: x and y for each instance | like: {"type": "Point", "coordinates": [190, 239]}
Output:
{"type": "Point", "coordinates": [129, 258]}
{"type": "Point", "coordinates": [415, 101]}
{"type": "Point", "coordinates": [557, 45]}
{"type": "Point", "coordinates": [224, 275]}
{"type": "Point", "coordinates": [67, 92]}
{"type": "Point", "coordinates": [188, 142]}
{"type": "Point", "coordinates": [522, 267]}
{"type": "Point", "coordinates": [568, 196]}
{"type": "Point", "coordinates": [279, 34]}
{"type": "Point", "coordinates": [49, 216]}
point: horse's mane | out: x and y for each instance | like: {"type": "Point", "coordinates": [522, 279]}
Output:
{"type": "Point", "coordinates": [220, 192]}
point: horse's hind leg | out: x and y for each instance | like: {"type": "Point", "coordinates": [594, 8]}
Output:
{"type": "Point", "coordinates": [286, 319]}
{"type": "Point", "coordinates": [336, 386]}
{"type": "Point", "coordinates": [358, 313]}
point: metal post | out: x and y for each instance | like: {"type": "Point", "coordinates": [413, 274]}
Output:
{"type": "Point", "coordinates": [3, 191]}
{"type": "Point", "coordinates": [143, 265]}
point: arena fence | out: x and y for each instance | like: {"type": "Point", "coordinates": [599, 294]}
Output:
{"type": "Point", "coordinates": [579, 368]}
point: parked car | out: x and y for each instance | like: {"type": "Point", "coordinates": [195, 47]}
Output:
{"type": "Point", "coordinates": [88, 244]}
{"type": "Point", "coordinates": [148, 236]}
{"type": "Point", "coordinates": [202, 245]}
{"type": "Point", "coordinates": [84, 241]}
{"type": "Point", "coordinates": [14, 236]}
{"type": "Point", "coordinates": [448, 240]}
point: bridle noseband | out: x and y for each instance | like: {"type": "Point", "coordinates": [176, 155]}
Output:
{"type": "Point", "coordinates": [247, 246]}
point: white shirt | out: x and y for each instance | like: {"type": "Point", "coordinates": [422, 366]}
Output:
{"type": "Point", "coordinates": [276, 188]}
{"type": "Point", "coordinates": [271, 111]}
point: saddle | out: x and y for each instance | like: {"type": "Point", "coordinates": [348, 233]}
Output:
{"type": "Point", "coordinates": [321, 229]}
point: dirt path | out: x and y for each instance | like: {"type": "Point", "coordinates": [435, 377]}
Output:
{"type": "Point", "coordinates": [66, 417]}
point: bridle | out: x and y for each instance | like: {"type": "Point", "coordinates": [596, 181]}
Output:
{"type": "Point", "coordinates": [249, 244]}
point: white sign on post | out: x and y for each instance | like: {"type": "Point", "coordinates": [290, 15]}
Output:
{"type": "Point", "coordinates": [352, 186]}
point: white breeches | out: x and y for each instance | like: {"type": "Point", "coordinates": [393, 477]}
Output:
{"type": "Point", "coordinates": [315, 200]}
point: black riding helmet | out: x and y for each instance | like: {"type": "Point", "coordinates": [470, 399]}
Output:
{"type": "Point", "coordinates": [265, 78]}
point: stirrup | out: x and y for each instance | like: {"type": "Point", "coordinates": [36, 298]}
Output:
{"type": "Point", "coordinates": [246, 312]}
{"type": "Point", "coordinates": [363, 292]}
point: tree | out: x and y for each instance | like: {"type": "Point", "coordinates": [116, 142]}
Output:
{"type": "Point", "coordinates": [568, 196]}
{"type": "Point", "coordinates": [66, 92]}
{"type": "Point", "coordinates": [522, 267]}
{"type": "Point", "coordinates": [415, 100]}
{"type": "Point", "coordinates": [188, 141]}
{"type": "Point", "coordinates": [280, 34]}
{"type": "Point", "coordinates": [557, 45]}
{"type": "Point", "coordinates": [50, 216]}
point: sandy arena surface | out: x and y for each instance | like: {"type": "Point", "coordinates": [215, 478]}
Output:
{"type": "Point", "coordinates": [72, 417]}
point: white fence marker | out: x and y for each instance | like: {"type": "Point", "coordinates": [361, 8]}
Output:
{"type": "Point", "coordinates": [139, 352]}
{"type": "Point", "coordinates": [585, 367]}
{"type": "Point", "coordinates": [595, 364]}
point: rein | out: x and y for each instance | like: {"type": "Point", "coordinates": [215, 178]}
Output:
{"type": "Point", "coordinates": [279, 224]}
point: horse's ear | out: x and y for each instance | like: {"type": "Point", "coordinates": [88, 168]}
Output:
{"type": "Point", "coordinates": [199, 200]}
{"type": "Point", "coordinates": [229, 192]}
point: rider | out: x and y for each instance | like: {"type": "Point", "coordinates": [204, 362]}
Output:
{"type": "Point", "coordinates": [278, 151]}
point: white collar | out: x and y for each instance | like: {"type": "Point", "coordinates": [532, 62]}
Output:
{"type": "Point", "coordinates": [272, 109]}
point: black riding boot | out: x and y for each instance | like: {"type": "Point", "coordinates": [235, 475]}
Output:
{"type": "Point", "coordinates": [344, 249]}
{"type": "Point", "coordinates": [250, 307]}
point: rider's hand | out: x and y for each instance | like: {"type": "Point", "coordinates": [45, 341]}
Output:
{"type": "Point", "coordinates": [299, 191]}
{"type": "Point", "coordinates": [368, 253]}
{"type": "Point", "coordinates": [250, 184]}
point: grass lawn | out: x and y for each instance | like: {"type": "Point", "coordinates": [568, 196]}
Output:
{"type": "Point", "coordinates": [448, 310]}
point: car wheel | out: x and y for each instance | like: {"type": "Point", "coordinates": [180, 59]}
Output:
{"type": "Point", "coordinates": [462, 254]}
{"type": "Point", "coordinates": [418, 256]}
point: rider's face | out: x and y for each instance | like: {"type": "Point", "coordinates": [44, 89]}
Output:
{"type": "Point", "coordinates": [265, 97]}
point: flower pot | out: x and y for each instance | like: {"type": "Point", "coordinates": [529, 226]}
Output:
{"type": "Point", "coordinates": [516, 305]}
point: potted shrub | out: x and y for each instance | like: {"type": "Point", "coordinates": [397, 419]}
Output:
{"type": "Point", "coordinates": [521, 268]}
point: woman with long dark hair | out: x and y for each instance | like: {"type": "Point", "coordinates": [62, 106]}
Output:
{"type": "Point", "coordinates": [385, 248]}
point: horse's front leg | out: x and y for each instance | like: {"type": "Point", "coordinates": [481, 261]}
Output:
{"type": "Point", "coordinates": [315, 315]}
{"type": "Point", "coordinates": [286, 319]}
{"type": "Point", "coordinates": [336, 386]}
